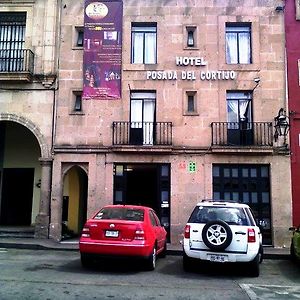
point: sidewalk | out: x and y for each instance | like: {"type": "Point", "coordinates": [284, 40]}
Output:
{"type": "Point", "coordinates": [72, 245]}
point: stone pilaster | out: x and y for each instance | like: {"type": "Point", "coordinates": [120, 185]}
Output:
{"type": "Point", "coordinates": [42, 219]}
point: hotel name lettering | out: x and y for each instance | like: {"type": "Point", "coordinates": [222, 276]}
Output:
{"type": "Point", "coordinates": [184, 61]}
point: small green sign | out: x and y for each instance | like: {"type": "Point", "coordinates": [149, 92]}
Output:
{"type": "Point", "coordinates": [192, 167]}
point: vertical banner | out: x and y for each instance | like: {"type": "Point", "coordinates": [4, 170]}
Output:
{"type": "Point", "coordinates": [102, 57]}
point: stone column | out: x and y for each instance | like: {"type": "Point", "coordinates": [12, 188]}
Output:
{"type": "Point", "coordinates": [42, 219]}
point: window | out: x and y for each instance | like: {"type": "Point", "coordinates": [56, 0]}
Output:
{"type": "Point", "coordinates": [238, 43]}
{"type": "Point", "coordinates": [239, 107]}
{"type": "Point", "coordinates": [152, 219]}
{"type": "Point", "coordinates": [239, 117]}
{"type": "Point", "coordinates": [12, 40]}
{"type": "Point", "coordinates": [190, 105]}
{"type": "Point", "coordinates": [79, 34]}
{"type": "Point", "coordinates": [191, 36]}
{"type": "Point", "coordinates": [77, 101]}
{"type": "Point", "coordinates": [142, 117]}
{"type": "Point", "coordinates": [143, 43]}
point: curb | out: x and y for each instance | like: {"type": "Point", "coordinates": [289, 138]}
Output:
{"type": "Point", "coordinates": [70, 247]}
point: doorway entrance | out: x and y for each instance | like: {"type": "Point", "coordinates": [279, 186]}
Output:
{"type": "Point", "coordinates": [16, 204]}
{"type": "Point", "coordinates": [248, 184]}
{"type": "Point", "coordinates": [20, 175]}
{"type": "Point", "coordinates": [144, 184]}
{"type": "Point", "coordinates": [74, 210]}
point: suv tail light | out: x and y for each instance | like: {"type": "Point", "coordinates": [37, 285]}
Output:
{"type": "Point", "coordinates": [85, 232]}
{"type": "Point", "coordinates": [251, 235]}
{"type": "Point", "coordinates": [187, 231]}
{"type": "Point", "coordinates": [139, 234]}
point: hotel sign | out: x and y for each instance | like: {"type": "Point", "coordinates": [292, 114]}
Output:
{"type": "Point", "coordinates": [183, 61]}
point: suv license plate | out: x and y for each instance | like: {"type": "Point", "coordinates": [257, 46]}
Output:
{"type": "Point", "coordinates": [111, 233]}
{"type": "Point", "coordinates": [218, 258]}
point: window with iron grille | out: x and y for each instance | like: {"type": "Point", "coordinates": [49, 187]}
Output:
{"type": "Point", "coordinates": [12, 40]}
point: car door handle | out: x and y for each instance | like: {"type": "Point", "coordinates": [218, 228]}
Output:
{"type": "Point", "coordinates": [240, 232]}
{"type": "Point", "coordinates": [195, 230]}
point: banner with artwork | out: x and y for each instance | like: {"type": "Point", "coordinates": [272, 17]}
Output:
{"type": "Point", "coordinates": [102, 50]}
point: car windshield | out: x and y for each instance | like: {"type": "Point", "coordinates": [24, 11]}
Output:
{"type": "Point", "coordinates": [119, 213]}
{"type": "Point", "coordinates": [231, 215]}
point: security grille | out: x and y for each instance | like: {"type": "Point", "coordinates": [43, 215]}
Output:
{"type": "Point", "coordinates": [12, 40]}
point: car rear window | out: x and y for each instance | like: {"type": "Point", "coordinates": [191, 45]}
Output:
{"type": "Point", "coordinates": [231, 215]}
{"type": "Point", "coordinates": [127, 214]}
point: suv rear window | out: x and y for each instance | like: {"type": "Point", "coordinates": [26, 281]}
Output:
{"type": "Point", "coordinates": [231, 215]}
{"type": "Point", "coordinates": [120, 214]}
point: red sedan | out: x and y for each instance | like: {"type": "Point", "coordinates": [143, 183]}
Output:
{"type": "Point", "coordinates": [123, 231]}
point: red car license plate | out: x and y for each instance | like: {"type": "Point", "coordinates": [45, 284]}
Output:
{"type": "Point", "coordinates": [218, 258]}
{"type": "Point", "coordinates": [111, 233]}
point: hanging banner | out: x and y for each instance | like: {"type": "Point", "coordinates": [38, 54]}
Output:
{"type": "Point", "coordinates": [102, 50]}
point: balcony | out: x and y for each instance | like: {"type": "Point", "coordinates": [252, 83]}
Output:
{"type": "Point", "coordinates": [16, 65]}
{"type": "Point", "coordinates": [242, 134]}
{"type": "Point", "coordinates": [142, 133]}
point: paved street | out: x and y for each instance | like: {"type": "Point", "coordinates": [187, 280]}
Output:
{"type": "Point", "coordinates": [43, 274]}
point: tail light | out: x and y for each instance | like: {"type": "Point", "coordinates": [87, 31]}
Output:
{"type": "Point", "coordinates": [251, 235]}
{"type": "Point", "coordinates": [139, 234]}
{"type": "Point", "coordinates": [187, 231]}
{"type": "Point", "coordinates": [85, 232]}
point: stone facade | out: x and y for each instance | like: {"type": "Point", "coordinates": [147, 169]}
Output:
{"type": "Point", "coordinates": [27, 98]}
{"type": "Point", "coordinates": [80, 160]}
{"type": "Point", "coordinates": [84, 138]}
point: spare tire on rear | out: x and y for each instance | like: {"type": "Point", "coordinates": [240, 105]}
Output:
{"type": "Point", "coordinates": [217, 235]}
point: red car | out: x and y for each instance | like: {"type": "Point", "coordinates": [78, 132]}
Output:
{"type": "Point", "coordinates": [123, 231]}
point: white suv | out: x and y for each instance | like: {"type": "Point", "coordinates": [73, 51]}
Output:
{"type": "Point", "coordinates": [221, 232]}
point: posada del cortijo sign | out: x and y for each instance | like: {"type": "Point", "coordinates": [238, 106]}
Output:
{"type": "Point", "coordinates": [185, 61]}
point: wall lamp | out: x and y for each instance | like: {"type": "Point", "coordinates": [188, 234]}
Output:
{"type": "Point", "coordinates": [257, 81]}
{"type": "Point", "coordinates": [282, 125]}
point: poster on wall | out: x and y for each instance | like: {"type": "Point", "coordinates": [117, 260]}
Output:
{"type": "Point", "coordinates": [102, 56]}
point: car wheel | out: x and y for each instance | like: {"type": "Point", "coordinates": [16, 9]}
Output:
{"type": "Point", "coordinates": [164, 251]}
{"type": "Point", "coordinates": [217, 235]}
{"type": "Point", "coordinates": [187, 263]}
{"type": "Point", "coordinates": [292, 252]}
{"type": "Point", "coordinates": [261, 254]}
{"type": "Point", "coordinates": [151, 260]}
{"type": "Point", "coordinates": [86, 261]}
{"type": "Point", "coordinates": [254, 267]}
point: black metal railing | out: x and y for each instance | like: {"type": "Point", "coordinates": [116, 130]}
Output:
{"type": "Point", "coordinates": [15, 61]}
{"type": "Point", "coordinates": [242, 134]}
{"type": "Point", "coordinates": [142, 133]}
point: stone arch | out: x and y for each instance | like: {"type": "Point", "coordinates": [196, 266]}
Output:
{"type": "Point", "coordinates": [45, 153]}
{"type": "Point", "coordinates": [68, 166]}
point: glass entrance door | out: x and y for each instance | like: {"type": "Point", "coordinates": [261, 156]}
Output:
{"type": "Point", "coordinates": [144, 184]}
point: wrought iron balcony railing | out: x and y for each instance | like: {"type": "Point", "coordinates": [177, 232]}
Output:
{"type": "Point", "coordinates": [142, 133]}
{"type": "Point", "coordinates": [242, 134]}
{"type": "Point", "coordinates": [16, 61]}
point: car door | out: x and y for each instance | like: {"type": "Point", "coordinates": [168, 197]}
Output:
{"type": "Point", "coordinates": [159, 230]}
{"type": "Point", "coordinates": [296, 241]}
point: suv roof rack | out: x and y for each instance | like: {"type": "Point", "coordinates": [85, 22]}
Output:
{"type": "Point", "coordinates": [214, 200]}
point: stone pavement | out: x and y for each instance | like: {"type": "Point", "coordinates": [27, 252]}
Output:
{"type": "Point", "coordinates": [72, 244]}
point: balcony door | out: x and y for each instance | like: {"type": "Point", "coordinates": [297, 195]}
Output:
{"type": "Point", "coordinates": [142, 118]}
{"type": "Point", "coordinates": [12, 40]}
{"type": "Point", "coordinates": [239, 118]}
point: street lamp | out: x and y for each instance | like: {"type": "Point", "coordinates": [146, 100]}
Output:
{"type": "Point", "coordinates": [282, 125]}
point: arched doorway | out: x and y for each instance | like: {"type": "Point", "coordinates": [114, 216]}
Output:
{"type": "Point", "coordinates": [74, 210]}
{"type": "Point", "coordinates": [20, 175]}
